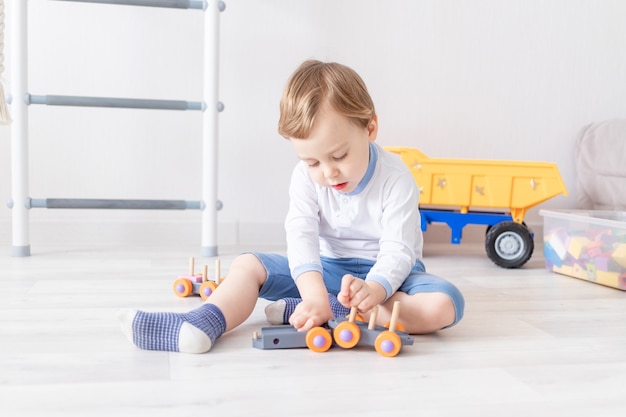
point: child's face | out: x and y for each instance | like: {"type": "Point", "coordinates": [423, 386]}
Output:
{"type": "Point", "coordinates": [337, 150]}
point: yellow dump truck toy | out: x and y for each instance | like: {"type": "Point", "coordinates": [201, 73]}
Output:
{"type": "Point", "coordinates": [496, 194]}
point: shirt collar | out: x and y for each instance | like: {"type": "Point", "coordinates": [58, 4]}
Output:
{"type": "Point", "coordinates": [370, 171]}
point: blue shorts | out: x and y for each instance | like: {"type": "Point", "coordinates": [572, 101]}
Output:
{"type": "Point", "coordinates": [279, 283]}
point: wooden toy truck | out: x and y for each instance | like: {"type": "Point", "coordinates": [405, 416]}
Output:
{"type": "Point", "coordinates": [345, 332]}
{"type": "Point", "coordinates": [496, 194]}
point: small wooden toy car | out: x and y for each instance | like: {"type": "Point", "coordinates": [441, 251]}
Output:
{"type": "Point", "coordinates": [198, 284]}
{"type": "Point", "coordinates": [345, 332]}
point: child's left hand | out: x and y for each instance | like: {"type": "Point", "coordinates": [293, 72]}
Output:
{"type": "Point", "coordinates": [363, 295]}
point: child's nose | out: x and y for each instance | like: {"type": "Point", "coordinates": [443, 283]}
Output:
{"type": "Point", "coordinates": [330, 171]}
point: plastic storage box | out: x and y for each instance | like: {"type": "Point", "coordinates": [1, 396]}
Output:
{"type": "Point", "coordinates": [589, 245]}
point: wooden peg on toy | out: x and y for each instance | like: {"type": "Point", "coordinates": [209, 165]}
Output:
{"type": "Point", "coordinates": [218, 278]}
{"type": "Point", "coordinates": [191, 266]}
{"type": "Point", "coordinates": [395, 312]}
{"type": "Point", "coordinates": [373, 316]}
{"type": "Point", "coordinates": [396, 324]}
{"type": "Point", "coordinates": [205, 273]}
{"type": "Point", "coordinates": [353, 314]}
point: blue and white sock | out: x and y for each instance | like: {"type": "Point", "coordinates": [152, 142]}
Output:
{"type": "Point", "coordinates": [279, 311]}
{"type": "Point", "coordinates": [193, 332]}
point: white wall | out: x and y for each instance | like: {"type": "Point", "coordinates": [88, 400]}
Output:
{"type": "Point", "coordinates": [487, 79]}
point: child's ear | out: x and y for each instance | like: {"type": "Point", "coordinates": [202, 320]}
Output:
{"type": "Point", "coordinates": [372, 129]}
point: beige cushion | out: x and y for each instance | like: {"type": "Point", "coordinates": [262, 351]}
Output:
{"type": "Point", "coordinates": [601, 166]}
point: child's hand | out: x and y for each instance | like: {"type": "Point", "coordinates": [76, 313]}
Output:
{"type": "Point", "coordinates": [311, 313]}
{"type": "Point", "coordinates": [358, 293]}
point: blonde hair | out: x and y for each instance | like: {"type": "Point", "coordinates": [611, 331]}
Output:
{"type": "Point", "coordinates": [311, 85]}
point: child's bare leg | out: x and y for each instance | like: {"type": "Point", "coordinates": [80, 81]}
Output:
{"type": "Point", "coordinates": [196, 331]}
{"type": "Point", "coordinates": [420, 313]}
{"type": "Point", "coordinates": [237, 295]}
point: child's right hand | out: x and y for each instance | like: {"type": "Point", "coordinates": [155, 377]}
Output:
{"type": "Point", "coordinates": [363, 295]}
{"type": "Point", "coordinates": [311, 313]}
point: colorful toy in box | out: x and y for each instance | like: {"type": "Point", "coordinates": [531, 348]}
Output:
{"type": "Point", "coordinates": [589, 245]}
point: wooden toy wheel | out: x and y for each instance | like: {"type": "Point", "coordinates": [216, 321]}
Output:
{"type": "Point", "coordinates": [318, 339]}
{"type": "Point", "coordinates": [183, 287]}
{"type": "Point", "coordinates": [207, 288]}
{"type": "Point", "coordinates": [399, 326]}
{"type": "Point", "coordinates": [388, 344]}
{"type": "Point", "coordinates": [347, 334]}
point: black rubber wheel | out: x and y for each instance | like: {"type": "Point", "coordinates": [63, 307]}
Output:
{"type": "Point", "coordinates": [509, 244]}
{"type": "Point", "coordinates": [489, 228]}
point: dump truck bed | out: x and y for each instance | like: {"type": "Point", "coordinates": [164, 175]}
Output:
{"type": "Point", "coordinates": [474, 185]}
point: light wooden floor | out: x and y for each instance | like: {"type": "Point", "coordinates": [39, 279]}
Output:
{"type": "Point", "coordinates": [532, 343]}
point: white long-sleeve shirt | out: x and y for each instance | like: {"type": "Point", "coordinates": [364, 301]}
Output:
{"type": "Point", "coordinates": [379, 221]}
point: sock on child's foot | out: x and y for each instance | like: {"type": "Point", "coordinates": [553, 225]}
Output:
{"type": "Point", "coordinates": [193, 332]}
{"type": "Point", "coordinates": [339, 310]}
{"type": "Point", "coordinates": [279, 311]}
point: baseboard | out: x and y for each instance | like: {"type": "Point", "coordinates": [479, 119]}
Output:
{"type": "Point", "coordinates": [67, 231]}
{"type": "Point", "coordinates": [67, 228]}
{"type": "Point", "coordinates": [440, 233]}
